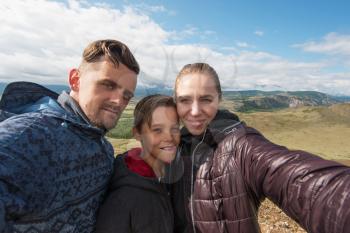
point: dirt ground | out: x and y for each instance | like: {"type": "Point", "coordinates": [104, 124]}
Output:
{"type": "Point", "coordinates": [273, 220]}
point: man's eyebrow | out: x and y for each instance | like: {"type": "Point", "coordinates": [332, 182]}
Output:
{"type": "Point", "coordinates": [107, 81]}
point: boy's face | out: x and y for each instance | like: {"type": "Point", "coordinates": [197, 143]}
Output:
{"type": "Point", "coordinates": [102, 91]}
{"type": "Point", "coordinates": [161, 138]}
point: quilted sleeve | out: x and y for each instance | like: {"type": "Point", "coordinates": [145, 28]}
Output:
{"type": "Point", "coordinates": [313, 191]}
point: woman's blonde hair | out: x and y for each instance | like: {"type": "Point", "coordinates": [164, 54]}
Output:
{"type": "Point", "coordinates": [200, 68]}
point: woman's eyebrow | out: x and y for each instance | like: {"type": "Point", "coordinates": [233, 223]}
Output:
{"type": "Point", "coordinates": [206, 96]}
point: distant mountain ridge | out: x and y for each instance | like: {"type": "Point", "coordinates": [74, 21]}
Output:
{"type": "Point", "coordinates": [255, 100]}
{"type": "Point", "coordinates": [248, 100]}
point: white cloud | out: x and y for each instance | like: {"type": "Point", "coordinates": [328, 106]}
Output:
{"type": "Point", "coordinates": [41, 40]}
{"type": "Point", "coordinates": [332, 44]}
{"type": "Point", "coordinates": [43, 35]}
{"type": "Point", "coordinates": [144, 8]}
{"type": "Point", "coordinates": [259, 33]}
{"type": "Point", "coordinates": [242, 44]}
{"type": "Point", "coordinates": [209, 32]}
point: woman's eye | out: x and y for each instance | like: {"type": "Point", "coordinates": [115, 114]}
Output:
{"type": "Point", "coordinates": [206, 100]}
{"type": "Point", "coordinates": [185, 101]}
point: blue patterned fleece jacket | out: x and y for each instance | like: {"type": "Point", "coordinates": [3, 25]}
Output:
{"type": "Point", "coordinates": [54, 165]}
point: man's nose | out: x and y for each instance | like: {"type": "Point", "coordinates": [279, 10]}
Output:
{"type": "Point", "coordinates": [117, 97]}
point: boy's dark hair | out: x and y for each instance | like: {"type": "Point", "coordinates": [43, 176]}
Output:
{"type": "Point", "coordinates": [146, 106]}
{"type": "Point", "coordinates": [115, 51]}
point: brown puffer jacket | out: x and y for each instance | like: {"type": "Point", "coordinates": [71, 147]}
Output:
{"type": "Point", "coordinates": [235, 168]}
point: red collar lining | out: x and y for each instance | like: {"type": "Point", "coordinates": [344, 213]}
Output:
{"type": "Point", "coordinates": [136, 164]}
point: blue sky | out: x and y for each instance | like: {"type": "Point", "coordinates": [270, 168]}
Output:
{"type": "Point", "coordinates": [268, 45]}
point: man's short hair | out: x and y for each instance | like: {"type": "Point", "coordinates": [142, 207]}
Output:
{"type": "Point", "coordinates": [113, 50]}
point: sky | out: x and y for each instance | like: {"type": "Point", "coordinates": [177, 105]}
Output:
{"type": "Point", "coordinates": [266, 45]}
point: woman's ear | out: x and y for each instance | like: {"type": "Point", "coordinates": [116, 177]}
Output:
{"type": "Point", "coordinates": [136, 134]}
{"type": "Point", "coordinates": [74, 79]}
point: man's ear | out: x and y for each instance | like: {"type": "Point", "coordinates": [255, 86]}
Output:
{"type": "Point", "coordinates": [74, 79]}
{"type": "Point", "coordinates": [136, 134]}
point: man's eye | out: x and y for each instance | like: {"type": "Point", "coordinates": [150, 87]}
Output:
{"type": "Point", "coordinates": [127, 98]}
{"type": "Point", "coordinates": [108, 86]}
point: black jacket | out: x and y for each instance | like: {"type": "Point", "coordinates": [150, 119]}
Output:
{"type": "Point", "coordinates": [135, 204]}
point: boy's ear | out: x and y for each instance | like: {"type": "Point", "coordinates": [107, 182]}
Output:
{"type": "Point", "coordinates": [74, 79]}
{"type": "Point", "coordinates": [136, 134]}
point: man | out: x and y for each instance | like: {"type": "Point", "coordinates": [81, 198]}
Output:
{"type": "Point", "coordinates": [55, 163]}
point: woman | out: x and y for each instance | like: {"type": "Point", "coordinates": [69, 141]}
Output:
{"type": "Point", "coordinates": [138, 200]}
{"type": "Point", "coordinates": [230, 168]}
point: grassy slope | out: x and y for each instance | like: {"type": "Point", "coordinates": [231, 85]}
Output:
{"type": "Point", "coordinates": [320, 130]}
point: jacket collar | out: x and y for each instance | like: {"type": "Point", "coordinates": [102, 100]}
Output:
{"type": "Point", "coordinates": [70, 105]}
{"type": "Point", "coordinates": [27, 97]}
{"type": "Point", "coordinates": [136, 164]}
{"type": "Point", "coordinates": [18, 94]}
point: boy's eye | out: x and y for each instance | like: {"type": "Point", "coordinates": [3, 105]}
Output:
{"type": "Point", "coordinates": [157, 130]}
{"type": "Point", "coordinates": [175, 130]}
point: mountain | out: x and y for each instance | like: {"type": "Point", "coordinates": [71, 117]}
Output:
{"type": "Point", "coordinates": [254, 100]}
{"type": "Point", "coordinates": [243, 101]}
{"type": "Point", "coordinates": [58, 88]}
{"type": "Point", "coordinates": [2, 87]}
{"type": "Point", "coordinates": [142, 91]}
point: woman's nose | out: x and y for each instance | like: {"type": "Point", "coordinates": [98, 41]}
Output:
{"type": "Point", "coordinates": [195, 108]}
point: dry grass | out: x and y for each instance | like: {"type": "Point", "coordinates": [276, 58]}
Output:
{"type": "Point", "coordinates": [122, 145]}
{"type": "Point", "coordinates": [324, 131]}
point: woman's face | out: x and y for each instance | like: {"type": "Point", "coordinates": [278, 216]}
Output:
{"type": "Point", "coordinates": [197, 101]}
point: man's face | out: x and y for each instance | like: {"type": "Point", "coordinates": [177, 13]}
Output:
{"type": "Point", "coordinates": [102, 91]}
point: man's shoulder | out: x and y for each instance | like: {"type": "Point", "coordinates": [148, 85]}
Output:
{"type": "Point", "coordinates": [28, 119]}
{"type": "Point", "coordinates": [33, 124]}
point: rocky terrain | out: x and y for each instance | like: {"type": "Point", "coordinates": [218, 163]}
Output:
{"type": "Point", "coordinates": [273, 220]}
